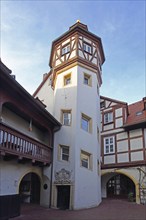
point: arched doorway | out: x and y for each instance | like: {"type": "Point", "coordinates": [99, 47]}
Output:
{"type": "Point", "coordinates": [29, 188]}
{"type": "Point", "coordinates": [120, 186]}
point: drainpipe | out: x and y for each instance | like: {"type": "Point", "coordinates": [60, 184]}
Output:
{"type": "Point", "coordinates": [54, 130]}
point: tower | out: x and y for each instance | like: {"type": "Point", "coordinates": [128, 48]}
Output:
{"type": "Point", "coordinates": [75, 62]}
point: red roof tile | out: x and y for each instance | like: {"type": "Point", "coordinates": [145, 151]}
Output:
{"type": "Point", "coordinates": [137, 113]}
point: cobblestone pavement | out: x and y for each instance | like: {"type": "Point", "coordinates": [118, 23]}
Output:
{"type": "Point", "coordinates": [107, 210]}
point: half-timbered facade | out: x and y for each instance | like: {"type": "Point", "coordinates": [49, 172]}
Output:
{"type": "Point", "coordinates": [123, 149]}
{"type": "Point", "coordinates": [26, 145]}
{"type": "Point", "coordinates": [75, 77]}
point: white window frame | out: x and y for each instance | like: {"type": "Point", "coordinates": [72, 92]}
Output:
{"type": "Point", "coordinates": [109, 145]}
{"type": "Point", "coordinates": [65, 49]}
{"type": "Point", "coordinates": [85, 160]}
{"type": "Point", "coordinates": [62, 154]}
{"type": "Point", "coordinates": [86, 127]}
{"type": "Point", "coordinates": [66, 117]}
{"type": "Point", "coordinates": [87, 47]}
{"type": "Point", "coordinates": [108, 117]}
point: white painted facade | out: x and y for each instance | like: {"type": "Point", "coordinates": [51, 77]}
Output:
{"type": "Point", "coordinates": [80, 99]}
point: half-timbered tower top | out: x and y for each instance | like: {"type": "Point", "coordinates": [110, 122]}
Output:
{"type": "Point", "coordinates": [77, 46]}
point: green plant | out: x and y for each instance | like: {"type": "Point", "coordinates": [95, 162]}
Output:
{"type": "Point", "coordinates": [131, 197]}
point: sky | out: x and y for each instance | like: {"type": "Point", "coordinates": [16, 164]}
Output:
{"type": "Point", "coordinates": [29, 27]}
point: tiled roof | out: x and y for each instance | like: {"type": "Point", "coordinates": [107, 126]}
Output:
{"type": "Point", "coordinates": [137, 113]}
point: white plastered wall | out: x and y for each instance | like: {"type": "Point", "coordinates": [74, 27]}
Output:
{"type": "Point", "coordinates": [12, 173]}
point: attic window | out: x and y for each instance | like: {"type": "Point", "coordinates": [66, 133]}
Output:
{"type": "Point", "coordinates": [138, 113]}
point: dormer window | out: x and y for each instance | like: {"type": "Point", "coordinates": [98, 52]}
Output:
{"type": "Point", "coordinates": [66, 49]}
{"type": "Point", "coordinates": [87, 47]}
{"type": "Point", "coordinates": [138, 113]}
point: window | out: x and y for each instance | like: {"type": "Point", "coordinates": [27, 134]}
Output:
{"type": "Point", "coordinates": [64, 152]}
{"type": "Point", "coordinates": [102, 104]}
{"type": "Point", "coordinates": [86, 160]}
{"type": "Point", "coordinates": [86, 123]}
{"type": "Point", "coordinates": [87, 79]}
{"type": "Point", "coordinates": [109, 145]}
{"type": "Point", "coordinates": [66, 117]}
{"type": "Point", "coordinates": [87, 47]}
{"type": "Point", "coordinates": [65, 49]}
{"type": "Point", "coordinates": [108, 117]}
{"type": "Point", "coordinates": [138, 113]}
{"type": "Point", "coordinates": [67, 79]}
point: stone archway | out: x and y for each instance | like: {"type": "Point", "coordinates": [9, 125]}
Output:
{"type": "Point", "coordinates": [120, 187]}
{"type": "Point", "coordinates": [106, 176]}
{"type": "Point", "coordinates": [29, 188]}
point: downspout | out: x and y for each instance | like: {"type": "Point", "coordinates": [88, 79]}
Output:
{"type": "Point", "coordinates": [57, 128]}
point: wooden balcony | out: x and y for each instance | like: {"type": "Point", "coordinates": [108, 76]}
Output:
{"type": "Point", "coordinates": [16, 145]}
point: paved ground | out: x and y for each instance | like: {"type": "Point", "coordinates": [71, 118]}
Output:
{"type": "Point", "coordinates": [107, 210]}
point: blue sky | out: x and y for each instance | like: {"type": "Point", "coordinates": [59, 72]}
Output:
{"type": "Point", "coordinates": [29, 27]}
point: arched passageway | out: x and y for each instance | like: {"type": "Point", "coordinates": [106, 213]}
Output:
{"type": "Point", "coordinates": [120, 186]}
{"type": "Point", "coordinates": [29, 188]}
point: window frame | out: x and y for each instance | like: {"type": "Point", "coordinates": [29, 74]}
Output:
{"type": "Point", "coordinates": [65, 78]}
{"type": "Point", "coordinates": [86, 46]}
{"type": "Point", "coordinates": [102, 104]}
{"type": "Point", "coordinates": [86, 157]}
{"type": "Point", "coordinates": [61, 153]}
{"type": "Point", "coordinates": [63, 112]}
{"type": "Point", "coordinates": [88, 120]}
{"type": "Point", "coordinates": [89, 79]}
{"type": "Point", "coordinates": [109, 119]}
{"type": "Point", "coordinates": [109, 144]}
{"type": "Point", "coordinates": [65, 48]}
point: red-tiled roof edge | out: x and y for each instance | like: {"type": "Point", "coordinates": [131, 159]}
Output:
{"type": "Point", "coordinates": [133, 109]}
{"type": "Point", "coordinates": [42, 83]}
{"type": "Point", "coordinates": [135, 123]}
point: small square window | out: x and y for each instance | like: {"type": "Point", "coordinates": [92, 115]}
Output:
{"type": "Point", "coordinates": [87, 47]}
{"type": "Point", "coordinates": [66, 117]}
{"type": "Point", "coordinates": [67, 79]}
{"type": "Point", "coordinates": [86, 123]}
{"type": "Point", "coordinates": [86, 160]}
{"type": "Point", "coordinates": [87, 79]}
{"type": "Point", "coordinates": [65, 49]}
{"type": "Point", "coordinates": [64, 153]}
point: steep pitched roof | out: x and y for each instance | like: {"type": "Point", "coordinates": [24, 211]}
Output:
{"type": "Point", "coordinates": [42, 83]}
{"type": "Point", "coordinates": [137, 113]}
{"type": "Point", "coordinates": [113, 100]}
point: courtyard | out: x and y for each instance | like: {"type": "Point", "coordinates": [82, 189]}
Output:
{"type": "Point", "coordinates": [109, 209]}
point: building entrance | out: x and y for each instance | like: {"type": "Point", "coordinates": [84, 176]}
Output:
{"type": "Point", "coordinates": [63, 197]}
{"type": "Point", "coordinates": [29, 188]}
{"type": "Point", "coordinates": [120, 186]}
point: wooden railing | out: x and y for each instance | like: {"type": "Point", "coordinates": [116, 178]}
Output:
{"type": "Point", "coordinates": [13, 142]}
